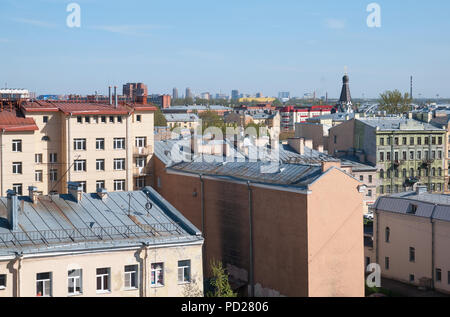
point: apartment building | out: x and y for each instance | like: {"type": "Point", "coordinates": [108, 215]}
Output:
{"type": "Point", "coordinates": [48, 144]}
{"type": "Point", "coordinates": [122, 244]}
{"type": "Point", "coordinates": [277, 228]}
{"type": "Point", "coordinates": [405, 151]}
{"type": "Point", "coordinates": [411, 238]}
{"type": "Point", "coordinates": [291, 115]}
{"type": "Point", "coordinates": [182, 120]}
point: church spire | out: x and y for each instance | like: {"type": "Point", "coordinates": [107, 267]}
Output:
{"type": "Point", "coordinates": [345, 101]}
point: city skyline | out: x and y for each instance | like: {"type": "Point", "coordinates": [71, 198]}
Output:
{"type": "Point", "coordinates": [304, 47]}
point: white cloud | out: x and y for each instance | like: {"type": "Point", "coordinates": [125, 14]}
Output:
{"type": "Point", "coordinates": [138, 30]}
{"type": "Point", "coordinates": [335, 24]}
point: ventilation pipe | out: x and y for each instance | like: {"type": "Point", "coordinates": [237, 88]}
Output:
{"type": "Point", "coordinates": [110, 96]}
{"type": "Point", "coordinates": [13, 210]}
{"type": "Point", "coordinates": [115, 97]}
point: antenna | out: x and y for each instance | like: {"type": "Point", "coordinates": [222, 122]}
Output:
{"type": "Point", "coordinates": [346, 70]}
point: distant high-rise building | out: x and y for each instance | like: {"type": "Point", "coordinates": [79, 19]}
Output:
{"type": "Point", "coordinates": [284, 95]}
{"type": "Point", "coordinates": [175, 94]}
{"type": "Point", "coordinates": [189, 93]}
{"type": "Point", "coordinates": [235, 94]}
{"type": "Point", "coordinates": [259, 95]}
{"type": "Point", "coordinates": [134, 90]}
{"type": "Point", "coordinates": [205, 95]}
{"type": "Point", "coordinates": [345, 101]}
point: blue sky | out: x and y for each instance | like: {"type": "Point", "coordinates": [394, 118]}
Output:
{"type": "Point", "coordinates": [218, 45]}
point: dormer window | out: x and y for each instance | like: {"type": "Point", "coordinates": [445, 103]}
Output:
{"type": "Point", "coordinates": [412, 209]}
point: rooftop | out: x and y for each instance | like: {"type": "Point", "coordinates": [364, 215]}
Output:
{"type": "Point", "coordinates": [58, 223]}
{"type": "Point", "coordinates": [398, 124]}
{"type": "Point", "coordinates": [11, 121]}
{"type": "Point", "coordinates": [181, 117]}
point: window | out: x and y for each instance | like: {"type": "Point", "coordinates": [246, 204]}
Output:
{"type": "Point", "coordinates": [184, 271]}
{"type": "Point", "coordinates": [413, 209]}
{"type": "Point", "coordinates": [45, 119]}
{"type": "Point", "coordinates": [381, 141]}
{"type": "Point", "coordinates": [381, 174]}
{"type": "Point", "coordinates": [103, 119]}
{"type": "Point", "coordinates": [427, 141]}
{"type": "Point", "coordinates": [87, 119]}
{"type": "Point", "coordinates": [100, 184]}
{"type": "Point", "coordinates": [119, 143]}
{"type": "Point", "coordinates": [53, 157]}
{"type": "Point", "coordinates": [448, 277]}
{"type": "Point", "coordinates": [433, 140]}
{"type": "Point", "coordinates": [140, 182]}
{"type": "Point", "coordinates": [396, 141]}
{"type": "Point", "coordinates": [370, 179]}
{"type": "Point", "coordinates": [381, 156]}
{"type": "Point", "coordinates": [17, 168]}
{"type": "Point", "coordinates": [396, 156]}
{"type": "Point", "coordinates": [412, 278]}
{"type": "Point", "coordinates": [438, 275]}
{"type": "Point", "coordinates": [119, 164]}
{"type": "Point", "coordinates": [111, 119]}
{"type": "Point", "coordinates": [100, 144]}
{"type": "Point", "coordinates": [103, 280]}
{"type": "Point", "coordinates": [18, 188]}
{"type": "Point", "coordinates": [157, 278]}
{"type": "Point", "coordinates": [83, 186]}
{"type": "Point", "coordinates": [411, 172]}
{"type": "Point", "coordinates": [131, 272]}
{"type": "Point", "coordinates": [386, 263]}
{"type": "Point", "coordinates": [53, 175]}
{"type": "Point", "coordinates": [38, 176]}
{"type": "Point", "coordinates": [38, 158]}
{"type": "Point", "coordinates": [389, 141]}
{"type": "Point", "coordinates": [411, 155]}
{"type": "Point", "coordinates": [119, 185]}
{"type": "Point", "coordinates": [138, 118]}
{"type": "Point", "coordinates": [405, 141]}
{"type": "Point", "coordinates": [335, 139]}
{"type": "Point", "coordinates": [80, 166]}
{"type": "Point", "coordinates": [388, 234]}
{"type": "Point", "coordinates": [439, 155]}
{"type": "Point", "coordinates": [388, 156]}
{"type": "Point", "coordinates": [158, 182]}
{"type": "Point", "coordinates": [74, 279]}
{"type": "Point", "coordinates": [44, 284]}
{"type": "Point", "coordinates": [419, 141]}
{"type": "Point", "coordinates": [382, 190]}
{"type": "Point", "coordinates": [100, 165]}
{"type": "Point", "coordinates": [17, 145]}
{"type": "Point", "coordinates": [79, 144]}
{"type": "Point", "coordinates": [419, 155]}
{"type": "Point", "coordinates": [440, 140]}
{"type": "Point", "coordinates": [369, 193]}
{"type": "Point", "coordinates": [361, 178]}
{"type": "Point", "coordinates": [2, 281]}
{"type": "Point", "coordinates": [411, 141]}
{"type": "Point", "coordinates": [119, 119]}
{"type": "Point", "coordinates": [141, 142]}
{"type": "Point", "coordinates": [412, 255]}
{"type": "Point", "coordinates": [79, 119]}
{"type": "Point", "coordinates": [96, 119]}
{"type": "Point", "coordinates": [140, 162]}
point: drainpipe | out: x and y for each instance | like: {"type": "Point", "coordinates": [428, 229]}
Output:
{"type": "Point", "coordinates": [251, 270]}
{"type": "Point", "coordinates": [19, 257]}
{"type": "Point", "coordinates": [392, 168]}
{"type": "Point", "coordinates": [377, 215]}
{"type": "Point", "coordinates": [144, 269]}
{"type": "Point", "coordinates": [202, 202]}
{"type": "Point", "coordinates": [69, 159]}
{"type": "Point", "coordinates": [128, 149]}
{"type": "Point", "coordinates": [433, 262]}
{"type": "Point", "coordinates": [1, 162]}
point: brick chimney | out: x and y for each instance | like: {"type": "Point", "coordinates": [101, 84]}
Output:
{"type": "Point", "coordinates": [102, 193]}
{"type": "Point", "coordinates": [33, 193]}
{"type": "Point", "coordinates": [75, 190]}
{"type": "Point", "coordinates": [297, 144]}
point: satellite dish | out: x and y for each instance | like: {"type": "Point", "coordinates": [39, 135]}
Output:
{"type": "Point", "coordinates": [148, 206]}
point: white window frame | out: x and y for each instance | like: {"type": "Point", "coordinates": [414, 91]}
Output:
{"type": "Point", "coordinates": [119, 144]}
{"type": "Point", "coordinates": [119, 164]}
{"type": "Point", "coordinates": [120, 182]}
{"type": "Point", "coordinates": [46, 284]}
{"type": "Point", "coordinates": [99, 164]}
{"type": "Point", "coordinates": [53, 158]}
{"type": "Point", "coordinates": [100, 144]}
{"type": "Point", "coordinates": [80, 166]}
{"type": "Point", "coordinates": [15, 188]}
{"type": "Point", "coordinates": [156, 270]}
{"type": "Point", "coordinates": [76, 281]}
{"type": "Point", "coordinates": [140, 182]}
{"type": "Point", "coordinates": [83, 185]}
{"type": "Point", "coordinates": [141, 142]}
{"type": "Point", "coordinates": [101, 183]}
{"type": "Point", "coordinates": [3, 281]}
{"type": "Point", "coordinates": [79, 144]}
{"type": "Point", "coordinates": [38, 176]}
{"type": "Point", "coordinates": [182, 270]}
{"type": "Point", "coordinates": [53, 175]}
{"type": "Point", "coordinates": [17, 168]}
{"type": "Point", "coordinates": [38, 158]}
{"type": "Point", "coordinates": [131, 277]}
{"type": "Point", "coordinates": [17, 146]}
{"type": "Point", "coordinates": [102, 277]}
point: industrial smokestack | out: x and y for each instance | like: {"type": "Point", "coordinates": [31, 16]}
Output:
{"type": "Point", "coordinates": [115, 97]}
{"type": "Point", "coordinates": [110, 96]}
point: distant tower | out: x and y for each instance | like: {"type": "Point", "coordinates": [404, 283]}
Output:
{"type": "Point", "coordinates": [345, 101]}
{"type": "Point", "coordinates": [189, 93]}
{"type": "Point", "coordinates": [411, 88]}
{"type": "Point", "coordinates": [175, 94]}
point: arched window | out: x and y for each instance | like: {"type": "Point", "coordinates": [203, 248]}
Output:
{"type": "Point", "coordinates": [388, 234]}
{"type": "Point", "coordinates": [411, 172]}
{"type": "Point", "coordinates": [433, 172]}
{"type": "Point", "coordinates": [382, 174]}
{"type": "Point", "coordinates": [440, 171]}
{"type": "Point", "coordinates": [404, 173]}
{"type": "Point", "coordinates": [388, 173]}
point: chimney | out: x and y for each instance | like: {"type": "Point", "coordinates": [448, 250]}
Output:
{"type": "Point", "coordinates": [110, 96]}
{"type": "Point", "coordinates": [421, 189]}
{"type": "Point", "coordinates": [33, 193]}
{"type": "Point", "coordinates": [75, 190]}
{"type": "Point", "coordinates": [102, 193]}
{"type": "Point", "coordinates": [309, 144]}
{"type": "Point", "coordinates": [115, 97]}
{"type": "Point", "coordinates": [327, 165]}
{"type": "Point", "coordinates": [13, 210]}
{"type": "Point", "coordinates": [320, 148]}
{"type": "Point", "coordinates": [297, 144]}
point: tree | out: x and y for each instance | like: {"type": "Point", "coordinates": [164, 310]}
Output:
{"type": "Point", "coordinates": [277, 103]}
{"type": "Point", "coordinates": [160, 120]}
{"type": "Point", "coordinates": [219, 282]}
{"type": "Point", "coordinates": [393, 102]}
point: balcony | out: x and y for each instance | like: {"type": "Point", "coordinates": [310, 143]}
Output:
{"type": "Point", "coordinates": [141, 171]}
{"type": "Point", "coordinates": [143, 151]}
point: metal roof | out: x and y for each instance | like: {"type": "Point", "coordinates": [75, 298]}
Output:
{"type": "Point", "coordinates": [433, 206]}
{"type": "Point", "coordinates": [181, 117]}
{"type": "Point", "coordinates": [398, 124]}
{"type": "Point", "coordinates": [59, 223]}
